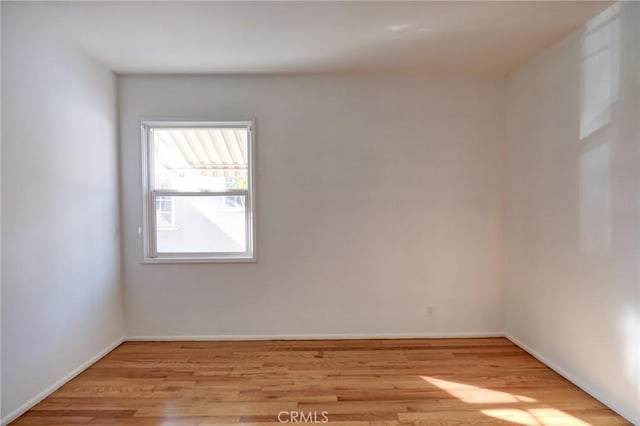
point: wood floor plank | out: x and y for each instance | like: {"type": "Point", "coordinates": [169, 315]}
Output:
{"type": "Point", "coordinates": [487, 381]}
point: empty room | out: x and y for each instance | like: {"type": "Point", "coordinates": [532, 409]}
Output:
{"type": "Point", "coordinates": [328, 212]}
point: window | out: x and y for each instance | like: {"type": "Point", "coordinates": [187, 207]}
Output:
{"type": "Point", "coordinates": [198, 191]}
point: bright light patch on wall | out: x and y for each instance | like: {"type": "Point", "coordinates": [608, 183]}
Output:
{"type": "Point", "coordinates": [595, 200]}
{"type": "Point", "coordinates": [630, 328]}
{"type": "Point", "coordinates": [600, 70]}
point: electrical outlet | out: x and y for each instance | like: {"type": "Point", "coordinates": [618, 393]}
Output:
{"type": "Point", "coordinates": [429, 311]}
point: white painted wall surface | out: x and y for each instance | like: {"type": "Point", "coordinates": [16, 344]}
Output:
{"type": "Point", "coordinates": [61, 283]}
{"type": "Point", "coordinates": [573, 284]}
{"type": "Point", "coordinates": [375, 198]}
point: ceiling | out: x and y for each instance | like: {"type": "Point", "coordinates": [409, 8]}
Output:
{"type": "Point", "coordinates": [391, 37]}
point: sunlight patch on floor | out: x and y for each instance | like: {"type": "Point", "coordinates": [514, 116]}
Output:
{"type": "Point", "coordinates": [535, 417]}
{"type": "Point", "coordinates": [528, 411]}
{"type": "Point", "coordinates": [521, 417]}
{"type": "Point", "coordinates": [474, 394]}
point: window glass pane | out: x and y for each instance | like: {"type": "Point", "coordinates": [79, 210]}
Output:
{"type": "Point", "coordinates": [204, 224]}
{"type": "Point", "coordinates": [200, 159]}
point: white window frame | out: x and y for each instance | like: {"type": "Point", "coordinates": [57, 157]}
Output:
{"type": "Point", "coordinates": [149, 195]}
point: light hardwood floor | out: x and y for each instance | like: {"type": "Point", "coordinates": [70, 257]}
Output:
{"type": "Point", "coordinates": [360, 382]}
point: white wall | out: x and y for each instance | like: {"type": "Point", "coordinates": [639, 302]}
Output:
{"type": "Point", "coordinates": [61, 283]}
{"type": "Point", "coordinates": [375, 198]}
{"type": "Point", "coordinates": [573, 221]}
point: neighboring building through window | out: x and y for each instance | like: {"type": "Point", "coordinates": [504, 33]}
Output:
{"type": "Point", "coordinates": [233, 201]}
{"type": "Point", "coordinates": [198, 191]}
{"type": "Point", "coordinates": [165, 213]}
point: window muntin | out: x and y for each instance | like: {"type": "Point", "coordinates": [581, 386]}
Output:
{"type": "Point", "coordinates": [198, 180]}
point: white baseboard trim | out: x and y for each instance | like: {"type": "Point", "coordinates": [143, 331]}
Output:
{"type": "Point", "coordinates": [339, 336]}
{"type": "Point", "coordinates": [634, 418]}
{"type": "Point", "coordinates": [55, 386]}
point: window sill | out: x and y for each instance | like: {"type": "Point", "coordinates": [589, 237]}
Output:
{"type": "Point", "coordinates": [151, 260]}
